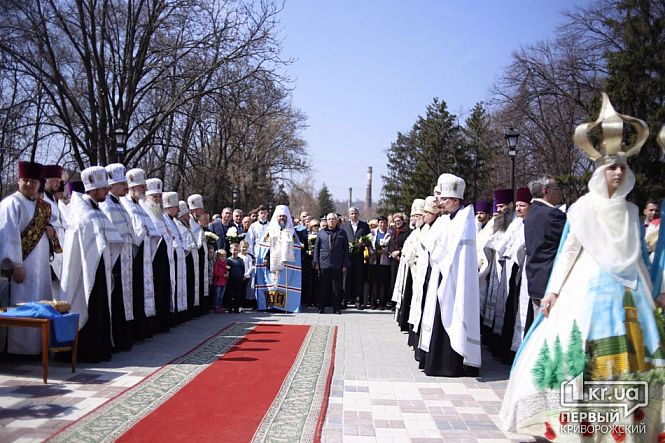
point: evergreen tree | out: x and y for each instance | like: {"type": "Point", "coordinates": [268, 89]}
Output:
{"type": "Point", "coordinates": [479, 142]}
{"type": "Point", "coordinates": [636, 81]}
{"type": "Point", "coordinates": [575, 357]}
{"type": "Point", "coordinates": [542, 369]}
{"type": "Point", "coordinates": [434, 145]}
{"type": "Point", "coordinates": [326, 203]}
{"type": "Point", "coordinates": [558, 365]}
{"type": "Point", "coordinates": [282, 197]}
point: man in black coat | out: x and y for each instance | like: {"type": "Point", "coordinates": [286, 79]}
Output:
{"type": "Point", "coordinates": [330, 258]}
{"type": "Point", "coordinates": [220, 226]}
{"type": "Point", "coordinates": [354, 287]}
{"type": "Point", "coordinates": [542, 234]}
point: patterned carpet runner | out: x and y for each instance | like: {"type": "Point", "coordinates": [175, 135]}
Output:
{"type": "Point", "coordinates": [248, 383]}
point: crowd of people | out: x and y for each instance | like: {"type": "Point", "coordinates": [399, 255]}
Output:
{"type": "Point", "coordinates": [558, 292]}
{"type": "Point", "coordinates": [562, 294]}
{"type": "Point", "coordinates": [134, 260]}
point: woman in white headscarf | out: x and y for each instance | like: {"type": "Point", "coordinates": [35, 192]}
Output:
{"type": "Point", "coordinates": [598, 321]}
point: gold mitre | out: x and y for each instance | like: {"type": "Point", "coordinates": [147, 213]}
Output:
{"type": "Point", "coordinates": [661, 138]}
{"type": "Point", "coordinates": [610, 149]}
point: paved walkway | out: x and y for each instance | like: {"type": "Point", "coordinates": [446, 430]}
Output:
{"type": "Point", "coordinates": [378, 393]}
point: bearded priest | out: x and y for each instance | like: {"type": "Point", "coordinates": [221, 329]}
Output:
{"type": "Point", "coordinates": [278, 276]}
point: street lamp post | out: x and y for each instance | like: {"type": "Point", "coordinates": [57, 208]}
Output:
{"type": "Point", "coordinates": [235, 193]}
{"type": "Point", "coordinates": [511, 137]}
{"type": "Point", "coordinates": [120, 143]}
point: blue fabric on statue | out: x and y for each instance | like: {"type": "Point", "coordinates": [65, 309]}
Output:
{"type": "Point", "coordinates": [63, 327]}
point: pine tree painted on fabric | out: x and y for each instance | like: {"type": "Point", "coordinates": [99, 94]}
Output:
{"type": "Point", "coordinates": [558, 365]}
{"type": "Point", "coordinates": [542, 369]}
{"type": "Point", "coordinates": [575, 357]}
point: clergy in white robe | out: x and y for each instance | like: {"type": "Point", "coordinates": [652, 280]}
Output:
{"type": "Point", "coordinates": [161, 245]}
{"type": "Point", "coordinates": [195, 204]}
{"type": "Point", "coordinates": [24, 254]}
{"type": "Point", "coordinates": [71, 188]}
{"type": "Point", "coordinates": [92, 246]}
{"type": "Point", "coordinates": [483, 213]}
{"type": "Point", "coordinates": [421, 273]}
{"type": "Point", "coordinates": [403, 290]}
{"type": "Point", "coordinates": [191, 258]}
{"type": "Point", "coordinates": [179, 308]}
{"type": "Point", "coordinates": [492, 269]}
{"type": "Point", "coordinates": [53, 178]}
{"type": "Point", "coordinates": [278, 270]}
{"type": "Point", "coordinates": [450, 330]}
{"type": "Point", "coordinates": [122, 297]}
{"type": "Point", "coordinates": [257, 231]}
{"type": "Point", "coordinates": [514, 251]}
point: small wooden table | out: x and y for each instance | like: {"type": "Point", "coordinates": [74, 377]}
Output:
{"type": "Point", "coordinates": [45, 325]}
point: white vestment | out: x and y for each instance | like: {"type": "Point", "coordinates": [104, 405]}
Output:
{"type": "Point", "coordinates": [255, 234]}
{"type": "Point", "coordinates": [59, 225]}
{"type": "Point", "coordinates": [454, 259]}
{"type": "Point", "coordinates": [159, 225]}
{"type": "Point", "coordinates": [181, 267]}
{"type": "Point", "coordinates": [147, 234]}
{"type": "Point", "coordinates": [199, 238]}
{"type": "Point", "coordinates": [118, 215]}
{"type": "Point", "coordinates": [407, 261]}
{"type": "Point", "coordinates": [192, 248]}
{"type": "Point", "coordinates": [90, 237]}
{"type": "Point", "coordinates": [419, 274]}
{"type": "Point", "coordinates": [493, 300]}
{"type": "Point", "coordinates": [16, 213]}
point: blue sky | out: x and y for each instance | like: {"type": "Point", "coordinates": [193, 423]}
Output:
{"type": "Point", "coordinates": [365, 70]}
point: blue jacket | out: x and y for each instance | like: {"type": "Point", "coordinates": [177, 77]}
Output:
{"type": "Point", "coordinates": [331, 249]}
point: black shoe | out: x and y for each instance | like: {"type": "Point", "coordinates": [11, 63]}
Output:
{"type": "Point", "coordinates": [359, 306]}
{"type": "Point", "coordinates": [320, 311]}
{"type": "Point", "coordinates": [336, 311]}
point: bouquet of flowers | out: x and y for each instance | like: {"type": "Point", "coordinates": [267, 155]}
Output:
{"type": "Point", "coordinates": [311, 239]}
{"type": "Point", "coordinates": [232, 235]}
{"type": "Point", "coordinates": [382, 244]}
{"type": "Point", "coordinates": [211, 237]}
{"type": "Point", "coordinates": [366, 239]}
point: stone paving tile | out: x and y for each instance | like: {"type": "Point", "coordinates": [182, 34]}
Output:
{"type": "Point", "coordinates": [378, 394]}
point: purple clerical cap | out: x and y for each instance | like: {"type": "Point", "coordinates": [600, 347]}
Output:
{"type": "Point", "coordinates": [483, 206]}
{"type": "Point", "coordinates": [503, 196]}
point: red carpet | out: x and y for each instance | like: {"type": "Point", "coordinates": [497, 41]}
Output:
{"type": "Point", "coordinates": [227, 401]}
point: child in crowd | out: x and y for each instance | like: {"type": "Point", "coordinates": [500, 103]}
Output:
{"type": "Point", "coordinates": [220, 276]}
{"type": "Point", "coordinates": [236, 276]}
{"type": "Point", "coordinates": [247, 292]}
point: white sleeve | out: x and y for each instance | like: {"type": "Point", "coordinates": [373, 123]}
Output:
{"type": "Point", "coordinates": [564, 263]}
{"type": "Point", "coordinates": [11, 252]}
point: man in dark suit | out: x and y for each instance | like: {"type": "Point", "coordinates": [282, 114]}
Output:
{"type": "Point", "coordinates": [542, 234]}
{"type": "Point", "coordinates": [220, 226]}
{"type": "Point", "coordinates": [355, 273]}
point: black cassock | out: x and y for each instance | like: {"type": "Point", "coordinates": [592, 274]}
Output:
{"type": "Point", "coordinates": [122, 328]}
{"type": "Point", "coordinates": [203, 302]}
{"type": "Point", "coordinates": [94, 343]}
{"type": "Point", "coordinates": [189, 264]}
{"type": "Point", "coordinates": [405, 306]}
{"type": "Point", "coordinates": [144, 327]}
{"type": "Point", "coordinates": [162, 282]}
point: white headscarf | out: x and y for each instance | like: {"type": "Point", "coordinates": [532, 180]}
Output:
{"type": "Point", "coordinates": [281, 239]}
{"type": "Point", "coordinates": [608, 227]}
